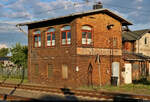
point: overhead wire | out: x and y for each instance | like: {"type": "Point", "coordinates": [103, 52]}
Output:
{"type": "Point", "coordinates": [60, 8]}
{"type": "Point", "coordinates": [144, 12]}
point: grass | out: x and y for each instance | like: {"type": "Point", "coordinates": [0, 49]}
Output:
{"type": "Point", "coordinates": [12, 80]}
{"type": "Point", "coordinates": [129, 88]}
{"type": "Point", "coordinates": [138, 87]}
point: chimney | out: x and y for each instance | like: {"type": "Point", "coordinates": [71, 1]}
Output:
{"type": "Point", "coordinates": [98, 6]}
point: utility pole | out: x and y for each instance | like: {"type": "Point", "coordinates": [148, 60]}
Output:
{"type": "Point", "coordinates": [99, 71]}
{"type": "Point", "coordinates": [18, 26]}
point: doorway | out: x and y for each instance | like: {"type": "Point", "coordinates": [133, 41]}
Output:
{"type": "Point", "coordinates": [128, 73]}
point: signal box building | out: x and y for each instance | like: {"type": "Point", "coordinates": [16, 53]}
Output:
{"type": "Point", "coordinates": [76, 50]}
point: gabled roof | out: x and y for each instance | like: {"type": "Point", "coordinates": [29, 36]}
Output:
{"type": "Point", "coordinates": [134, 35]}
{"type": "Point", "coordinates": [106, 11]}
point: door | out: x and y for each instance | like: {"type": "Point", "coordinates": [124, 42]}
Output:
{"type": "Point", "coordinates": [128, 73]}
{"type": "Point", "coordinates": [115, 71]}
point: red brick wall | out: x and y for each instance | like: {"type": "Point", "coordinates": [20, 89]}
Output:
{"type": "Point", "coordinates": [59, 55]}
{"type": "Point", "coordinates": [56, 56]}
{"type": "Point", "coordinates": [101, 39]}
{"type": "Point", "coordinates": [128, 46]}
{"type": "Point", "coordinates": [101, 33]}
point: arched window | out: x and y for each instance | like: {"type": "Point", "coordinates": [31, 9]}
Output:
{"type": "Point", "coordinates": [86, 35]}
{"type": "Point", "coordinates": [50, 37]}
{"type": "Point", "coordinates": [37, 38]}
{"type": "Point", "coordinates": [66, 35]}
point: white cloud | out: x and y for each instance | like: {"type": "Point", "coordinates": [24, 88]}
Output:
{"type": "Point", "coordinates": [37, 9]}
{"type": "Point", "coordinates": [7, 26]}
{"type": "Point", "coordinates": [139, 7]}
{"type": "Point", "coordinates": [140, 26]}
{"type": "Point", "coordinates": [139, 0]}
{"type": "Point", "coordinates": [3, 46]}
{"type": "Point", "coordinates": [106, 1]}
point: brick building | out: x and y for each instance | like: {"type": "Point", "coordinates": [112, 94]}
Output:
{"type": "Point", "coordinates": [76, 50]}
{"type": "Point", "coordinates": [136, 56]}
{"type": "Point", "coordinates": [137, 41]}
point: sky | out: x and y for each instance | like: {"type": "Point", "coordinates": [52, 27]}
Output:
{"type": "Point", "coordinates": [13, 12]}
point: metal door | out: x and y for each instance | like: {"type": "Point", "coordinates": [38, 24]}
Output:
{"type": "Point", "coordinates": [115, 71]}
{"type": "Point", "coordinates": [128, 73]}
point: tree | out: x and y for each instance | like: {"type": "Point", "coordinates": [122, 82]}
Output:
{"type": "Point", "coordinates": [4, 52]}
{"type": "Point", "coordinates": [19, 55]}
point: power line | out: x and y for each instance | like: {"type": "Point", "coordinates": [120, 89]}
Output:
{"type": "Point", "coordinates": [148, 11]}
{"type": "Point", "coordinates": [144, 12]}
{"type": "Point", "coordinates": [59, 8]}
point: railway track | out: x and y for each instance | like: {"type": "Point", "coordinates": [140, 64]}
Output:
{"type": "Point", "coordinates": [13, 98]}
{"type": "Point", "coordinates": [82, 93]}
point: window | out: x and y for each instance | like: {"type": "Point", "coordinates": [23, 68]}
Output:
{"type": "Point", "coordinates": [114, 42]}
{"type": "Point", "coordinates": [36, 70]}
{"type": "Point", "coordinates": [50, 70]}
{"type": "Point", "coordinates": [64, 71]}
{"type": "Point", "coordinates": [146, 40]}
{"type": "Point", "coordinates": [66, 35]}
{"type": "Point", "coordinates": [37, 38]}
{"type": "Point", "coordinates": [50, 37]}
{"type": "Point", "coordinates": [86, 35]}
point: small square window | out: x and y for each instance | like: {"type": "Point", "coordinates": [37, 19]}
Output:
{"type": "Point", "coordinates": [146, 40]}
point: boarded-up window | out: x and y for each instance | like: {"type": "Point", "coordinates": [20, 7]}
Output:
{"type": "Point", "coordinates": [50, 70]}
{"type": "Point", "coordinates": [36, 70]}
{"type": "Point", "coordinates": [135, 66]}
{"type": "Point", "coordinates": [143, 69]}
{"type": "Point", "coordinates": [114, 42]}
{"type": "Point", "coordinates": [64, 71]}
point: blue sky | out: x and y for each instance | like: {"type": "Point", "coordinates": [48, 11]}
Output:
{"type": "Point", "coordinates": [18, 11]}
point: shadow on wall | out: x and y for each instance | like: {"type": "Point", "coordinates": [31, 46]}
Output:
{"type": "Point", "coordinates": [90, 70]}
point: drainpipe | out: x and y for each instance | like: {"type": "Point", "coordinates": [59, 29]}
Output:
{"type": "Point", "coordinates": [99, 70]}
